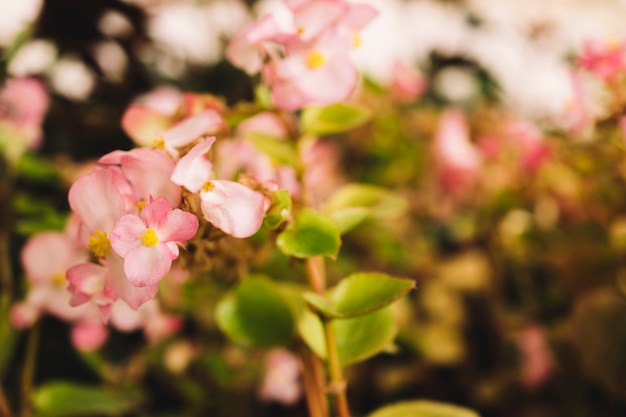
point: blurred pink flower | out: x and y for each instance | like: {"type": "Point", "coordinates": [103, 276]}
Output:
{"type": "Point", "coordinates": [281, 382]}
{"type": "Point", "coordinates": [537, 360]}
{"type": "Point", "coordinates": [458, 158]}
{"type": "Point", "coordinates": [407, 83]}
{"type": "Point", "coordinates": [606, 59]}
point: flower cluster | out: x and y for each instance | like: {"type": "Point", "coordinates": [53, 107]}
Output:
{"type": "Point", "coordinates": [310, 62]}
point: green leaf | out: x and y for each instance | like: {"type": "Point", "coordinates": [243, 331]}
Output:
{"type": "Point", "coordinates": [65, 399]}
{"type": "Point", "coordinates": [358, 338]}
{"type": "Point", "coordinates": [37, 169]}
{"type": "Point", "coordinates": [279, 211]}
{"type": "Point", "coordinates": [281, 151]}
{"type": "Point", "coordinates": [380, 202]}
{"type": "Point", "coordinates": [423, 408]}
{"type": "Point", "coordinates": [348, 218]}
{"type": "Point", "coordinates": [310, 234]}
{"type": "Point", "coordinates": [360, 294]}
{"type": "Point", "coordinates": [256, 314]}
{"type": "Point", "coordinates": [336, 118]}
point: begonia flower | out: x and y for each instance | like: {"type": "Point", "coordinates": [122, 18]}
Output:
{"type": "Point", "coordinates": [458, 158]}
{"type": "Point", "coordinates": [319, 72]}
{"type": "Point", "coordinates": [155, 324]}
{"type": "Point", "coordinates": [606, 59]}
{"type": "Point", "coordinates": [149, 242]}
{"type": "Point", "coordinates": [232, 207]}
{"type": "Point", "coordinates": [148, 172]}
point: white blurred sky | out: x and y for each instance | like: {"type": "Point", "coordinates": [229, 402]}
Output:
{"type": "Point", "coordinates": [531, 70]}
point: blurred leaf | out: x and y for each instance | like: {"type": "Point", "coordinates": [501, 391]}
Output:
{"type": "Point", "coordinates": [66, 399]}
{"type": "Point", "coordinates": [380, 202]}
{"type": "Point", "coordinates": [36, 169]}
{"type": "Point", "coordinates": [279, 211]}
{"type": "Point", "coordinates": [423, 408]}
{"type": "Point", "coordinates": [256, 313]}
{"type": "Point", "coordinates": [358, 338]}
{"type": "Point", "coordinates": [348, 218]}
{"type": "Point", "coordinates": [279, 150]}
{"type": "Point", "coordinates": [310, 234]}
{"type": "Point", "coordinates": [7, 334]}
{"type": "Point", "coordinates": [360, 294]}
{"type": "Point", "coordinates": [336, 118]}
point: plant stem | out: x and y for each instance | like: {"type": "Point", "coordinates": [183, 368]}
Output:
{"type": "Point", "coordinates": [316, 274]}
{"type": "Point", "coordinates": [28, 372]}
{"type": "Point", "coordinates": [313, 379]}
{"type": "Point", "coordinates": [5, 411]}
{"type": "Point", "coordinates": [337, 386]}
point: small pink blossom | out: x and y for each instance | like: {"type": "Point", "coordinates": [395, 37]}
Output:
{"type": "Point", "coordinates": [606, 59]}
{"type": "Point", "coordinates": [155, 324]}
{"type": "Point", "coordinates": [88, 336]}
{"type": "Point", "coordinates": [248, 49]}
{"type": "Point", "coordinates": [149, 242]}
{"type": "Point", "coordinates": [282, 378]}
{"type": "Point", "coordinates": [407, 83]}
{"type": "Point", "coordinates": [458, 158]}
{"type": "Point", "coordinates": [537, 360]}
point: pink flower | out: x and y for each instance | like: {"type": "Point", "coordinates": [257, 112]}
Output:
{"type": "Point", "coordinates": [227, 205]}
{"type": "Point", "coordinates": [48, 292]}
{"type": "Point", "coordinates": [537, 360]}
{"type": "Point", "coordinates": [148, 172]}
{"type": "Point", "coordinates": [149, 242]}
{"type": "Point", "coordinates": [606, 59]}
{"type": "Point", "coordinates": [282, 378]}
{"type": "Point", "coordinates": [319, 72]}
{"type": "Point", "coordinates": [149, 318]}
{"type": "Point", "coordinates": [407, 82]}
{"type": "Point", "coordinates": [459, 160]}
{"type": "Point", "coordinates": [248, 49]}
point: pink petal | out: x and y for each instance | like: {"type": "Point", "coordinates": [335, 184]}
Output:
{"type": "Point", "coordinates": [127, 233]}
{"type": "Point", "coordinates": [96, 200]}
{"type": "Point", "coordinates": [121, 286]}
{"type": "Point", "coordinates": [155, 213]}
{"type": "Point", "coordinates": [233, 208]}
{"type": "Point", "coordinates": [194, 169]}
{"type": "Point", "coordinates": [359, 15]}
{"type": "Point", "coordinates": [266, 123]}
{"type": "Point", "coordinates": [145, 265]}
{"type": "Point", "coordinates": [143, 124]}
{"type": "Point", "coordinates": [59, 251]}
{"type": "Point", "coordinates": [88, 336]}
{"type": "Point", "coordinates": [179, 226]}
{"type": "Point", "coordinates": [184, 133]}
{"type": "Point", "coordinates": [149, 172]}
{"type": "Point", "coordinates": [87, 279]}
{"type": "Point", "coordinates": [244, 51]}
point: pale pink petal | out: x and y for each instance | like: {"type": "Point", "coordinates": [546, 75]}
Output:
{"type": "Point", "coordinates": [96, 200]}
{"type": "Point", "coordinates": [190, 129]}
{"type": "Point", "coordinates": [145, 266]}
{"type": "Point", "coordinates": [178, 226]}
{"type": "Point", "coordinates": [143, 124]}
{"type": "Point", "coordinates": [155, 213]}
{"type": "Point", "coordinates": [314, 17]}
{"type": "Point", "coordinates": [358, 16]}
{"type": "Point", "coordinates": [88, 336]}
{"type": "Point", "coordinates": [266, 123]}
{"type": "Point", "coordinates": [49, 254]}
{"type": "Point", "coordinates": [244, 51]}
{"type": "Point", "coordinates": [87, 279]}
{"type": "Point", "coordinates": [194, 169]}
{"type": "Point", "coordinates": [127, 233]}
{"type": "Point", "coordinates": [121, 286]}
{"type": "Point", "coordinates": [23, 315]}
{"type": "Point", "coordinates": [149, 172]}
{"type": "Point", "coordinates": [125, 319]}
{"type": "Point", "coordinates": [233, 208]}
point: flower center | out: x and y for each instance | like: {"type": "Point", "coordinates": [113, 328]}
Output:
{"type": "Point", "coordinates": [58, 280]}
{"type": "Point", "coordinates": [150, 238]}
{"type": "Point", "coordinates": [99, 243]}
{"type": "Point", "coordinates": [159, 143]}
{"type": "Point", "coordinates": [141, 204]}
{"type": "Point", "coordinates": [208, 186]}
{"type": "Point", "coordinates": [316, 59]}
{"type": "Point", "coordinates": [356, 40]}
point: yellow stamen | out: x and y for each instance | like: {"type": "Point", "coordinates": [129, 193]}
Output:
{"type": "Point", "coordinates": [58, 280]}
{"type": "Point", "coordinates": [356, 40]}
{"type": "Point", "coordinates": [208, 186]}
{"type": "Point", "coordinates": [141, 204]}
{"type": "Point", "coordinates": [300, 30]}
{"type": "Point", "coordinates": [159, 143]}
{"type": "Point", "coordinates": [99, 244]}
{"type": "Point", "coordinates": [150, 238]}
{"type": "Point", "coordinates": [316, 59]}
